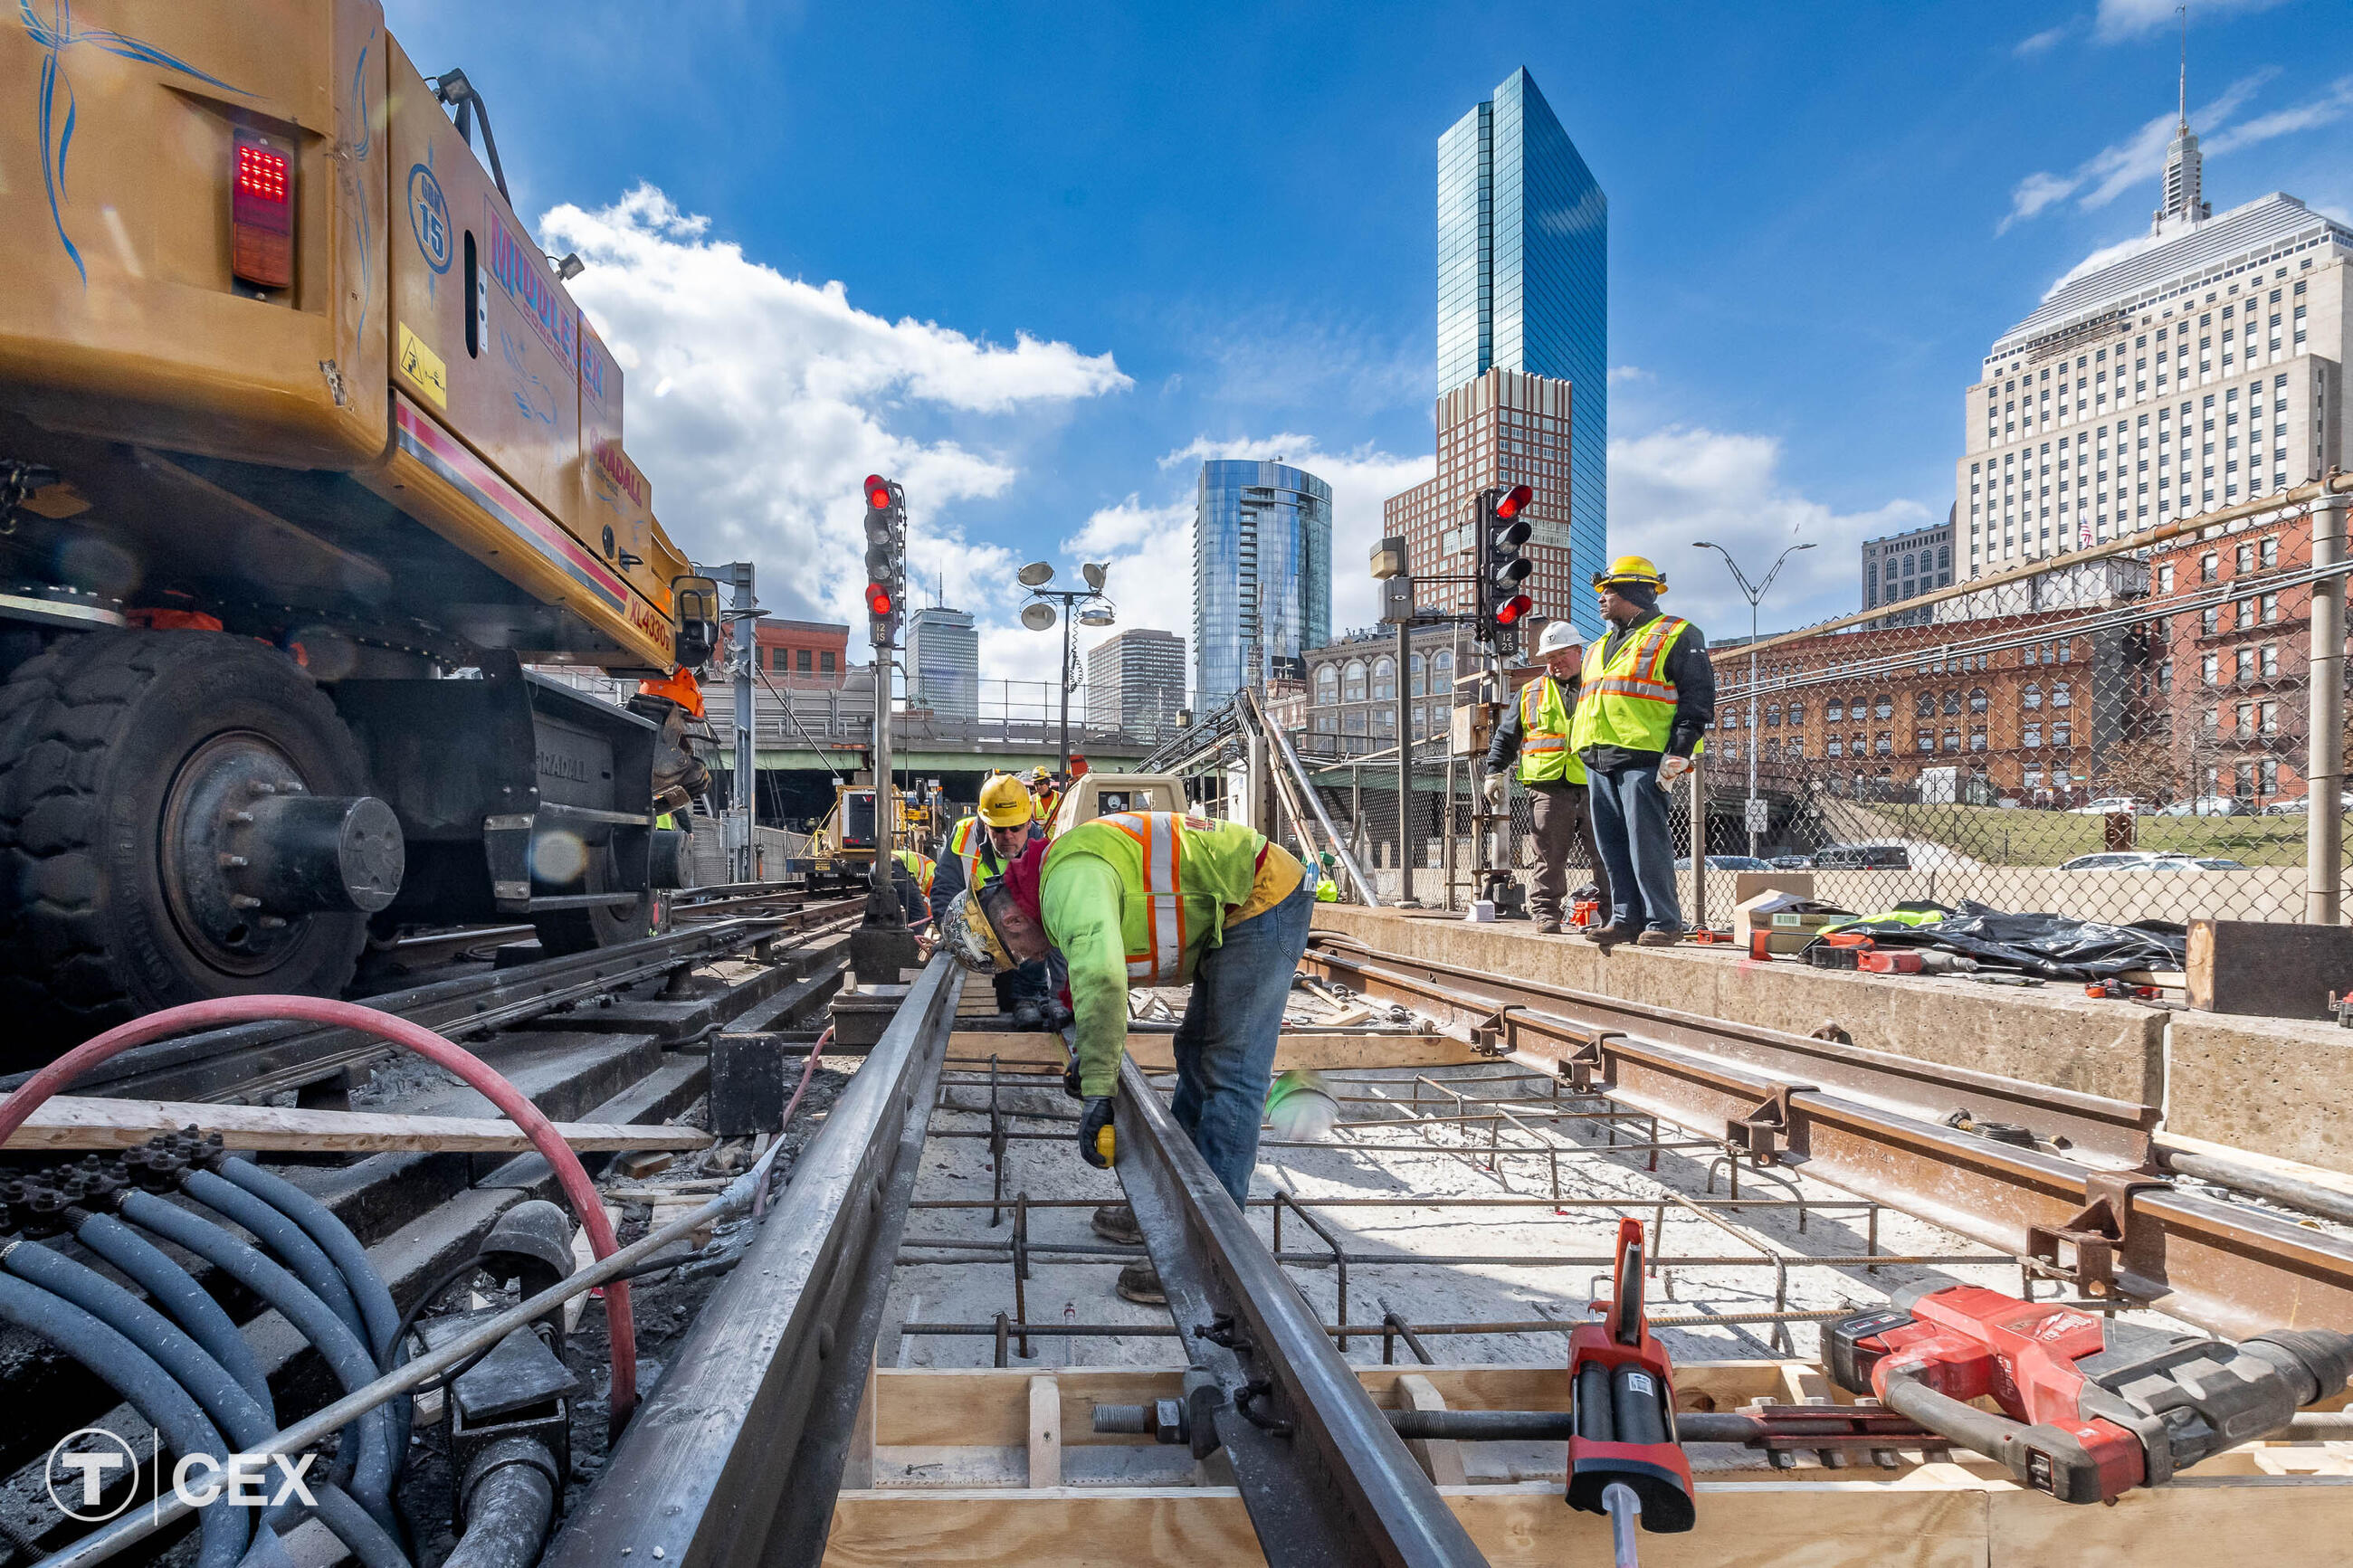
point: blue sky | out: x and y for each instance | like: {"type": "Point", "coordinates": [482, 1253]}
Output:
{"type": "Point", "coordinates": [1037, 260]}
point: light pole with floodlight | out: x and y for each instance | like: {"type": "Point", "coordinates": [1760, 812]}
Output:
{"type": "Point", "coordinates": [1751, 814]}
{"type": "Point", "coordinates": [1039, 615]}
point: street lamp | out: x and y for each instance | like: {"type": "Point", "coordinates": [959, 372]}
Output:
{"type": "Point", "coordinates": [1755, 814]}
{"type": "Point", "coordinates": [1085, 605]}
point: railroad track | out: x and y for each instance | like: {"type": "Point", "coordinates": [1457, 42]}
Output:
{"type": "Point", "coordinates": [1782, 1181]}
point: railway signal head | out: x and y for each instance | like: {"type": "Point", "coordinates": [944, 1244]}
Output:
{"type": "Point", "coordinates": [1504, 565]}
{"type": "Point", "coordinates": [886, 558]}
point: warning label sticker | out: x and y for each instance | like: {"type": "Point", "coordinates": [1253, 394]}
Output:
{"type": "Point", "coordinates": [423, 367]}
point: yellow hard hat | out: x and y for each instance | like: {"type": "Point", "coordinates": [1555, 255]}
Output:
{"type": "Point", "coordinates": [1636, 568]}
{"type": "Point", "coordinates": [1003, 803]}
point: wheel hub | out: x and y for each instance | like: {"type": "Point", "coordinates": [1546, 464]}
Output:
{"type": "Point", "coordinates": [248, 854]}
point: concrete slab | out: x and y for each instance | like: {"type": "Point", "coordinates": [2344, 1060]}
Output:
{"type": "Point", "coordinates": [2278, 1085]}
{"type": "Point", "coordinates": [2055, 1035]}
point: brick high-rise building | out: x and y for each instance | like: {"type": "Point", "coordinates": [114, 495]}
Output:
{"type": "Point", "coordinates": [1503, 428]}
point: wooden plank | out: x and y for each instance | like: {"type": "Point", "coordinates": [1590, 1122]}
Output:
{"type": "Point", "coordinates": [71, 1122]}
{"type": "Point", "coordinates": [2272, 968]}
{"type": "Point", "coordinates": [1045, 1434]}
{"type": "Point", "coordinates": [1842, 1524]}
{"type": "Point", "coordinates": [987, 1406]}
{"type": "Point", "coordinates": [2280, 1521]}
{"type": "Point", "coordinates": [1298, 1049]}
{"type": "Point", "coordinates": [1439, 1457]}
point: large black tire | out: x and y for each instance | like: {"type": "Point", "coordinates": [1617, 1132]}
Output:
{"type": "Point", "coordinates": [93, 733]}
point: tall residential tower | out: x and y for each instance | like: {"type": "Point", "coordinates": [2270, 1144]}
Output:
{"type": "Point", "coordinates": [1261, 573]}
{"type": "Point", "coordinates": [1523, 286]}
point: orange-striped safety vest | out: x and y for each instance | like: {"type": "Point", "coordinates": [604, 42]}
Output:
{"type": "Point", "coordinates": [1629, 702]}
{"type": "Point", "coordinates": [1544, 756]}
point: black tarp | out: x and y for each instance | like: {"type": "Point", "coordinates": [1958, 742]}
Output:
{"type": "Point", "coordinates": [2055, 946]}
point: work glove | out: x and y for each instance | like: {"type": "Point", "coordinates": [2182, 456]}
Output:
{"type": "Point", "coordinates": [1671, 769]}
{"type": "Point", "coordinates": [1094, 1132]}
{"type": "Point", "coordinates": [1495, 787]}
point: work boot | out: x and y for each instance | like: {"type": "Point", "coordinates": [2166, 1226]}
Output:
{"type": "Point", "coordinates": [1660, 936]}
{"type": "Point", "coordinates": [1140, 1283]}
{"type": "Point", "coordinates": [1116, 1222]}
{"type": "Point", "coordinates": [1611, 935]}
{"type": "Point", "coordinates": [1548, 928]}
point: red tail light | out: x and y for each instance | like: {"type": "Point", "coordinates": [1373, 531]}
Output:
{"type": "Point", "coordinates": [261, 214]}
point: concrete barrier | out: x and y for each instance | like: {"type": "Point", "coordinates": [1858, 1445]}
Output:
{"type": "Point", "coordinates": [2279, 1086]}
{"type": "Point", "coordinates": [2055, 1036]}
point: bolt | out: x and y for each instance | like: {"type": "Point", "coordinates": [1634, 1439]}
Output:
{"type": "Point", "coordinates": [240, 817]}
{"type": "Point", "coordinates": [271, 922]}
{"type": "Point", "coordinates": [260, 787]}
{"type": "Point", "coordinates": [243, 901]}
{"type": "Point", "coordinates": [231, 862]}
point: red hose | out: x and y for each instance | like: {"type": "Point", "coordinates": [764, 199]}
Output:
{"type": "Point", "coordinates": [621, 1328]}
{"type": "Point", "coordinates": [760, 1199]}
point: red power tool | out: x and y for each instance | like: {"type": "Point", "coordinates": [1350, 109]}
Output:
{"type": "Point", "coordinates": [1624, 1459]}
{"type": "Point", "coordinates": [2084, 1420]}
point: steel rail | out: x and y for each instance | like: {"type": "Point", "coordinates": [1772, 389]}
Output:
{"type": "Point", "coordinates": [249, 1060]}
{"type": "Point", "coordinates": [2115, 1130]}
{"type": "Point", "coordinates": [735, 1459]}
{"type": "Point", "coordinates": [1325, 1476]}
{"type": "Point", "coordinates": [2116, 1235]}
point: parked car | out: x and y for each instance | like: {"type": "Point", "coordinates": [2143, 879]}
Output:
{"type": "Point", "coordinates": [1791, 862]}
{"type": "Point", "coordinates": [2301, 804]}
{"type": "Point", "coordinates": [2149, 860]}
{"type": "Point", "coordinates": [1728, 863]}
{"type": "Point", "coordinates": [1862, 858]}
{"type": "Point", "coordinates": [2208, 805]}
{"type": "Point", "coordinates": [2108, 805]}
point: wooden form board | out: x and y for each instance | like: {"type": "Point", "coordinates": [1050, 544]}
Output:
{"type": "Point", "coordinates": [1936, 1515]}
{"type": "Point", "coordinates": [1298, 1049]}
{"type": "Point", "coordinates": [67, 1122]}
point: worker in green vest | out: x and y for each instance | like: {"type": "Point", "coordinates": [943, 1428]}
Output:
{"type": "Point", "coordinates": [979, 848]}
{"type": "Point", "coordinates": [1535, 730]}
{"type": "Point", "coordinates": [1148, 898]}
{"type": "Point", "coordinates": [1649, 696]}
{"type": "Point", "coordinates": [913, 881]}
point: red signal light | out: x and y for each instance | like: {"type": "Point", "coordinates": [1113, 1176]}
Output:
{"type": "Point", "coordinates": [1513, 608]}
{"type": "Point", "coordinates": [877, 599]}
{"type": "Point", "coordinates": [878, 492]}
{"type": "Point", "coordinates": [262, 214]}
{"type": "Point", "coordinates": [1517, 497]}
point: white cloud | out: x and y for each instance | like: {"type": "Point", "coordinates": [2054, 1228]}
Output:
{"type": "Point", "coordinates": [771, 397]}
{"type": "Point", "coordinates": [2041, 42]}
{"type": "Point", "coordinates": [2326, 109]}
{"type": "Point", "coordinates": [1627, 374]}
{"type": "Point", "coordinates": [1681, 484]}
{"type": "Point", "coordinates": [2139, 159]}
{"type": "Point", "coordinates": [2123, 19]}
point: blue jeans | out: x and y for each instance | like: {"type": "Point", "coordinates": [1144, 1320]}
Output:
{"type": "Point", "coordinates": [1225, 1046]}
{"type": "Point", "coordinates": [1629, 819]}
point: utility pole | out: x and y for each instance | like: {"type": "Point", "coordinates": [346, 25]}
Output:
{"type": "Point", "coordinates": [743, 611]}
{"type": "Point", "coordinates": [1391, 570]}
{"type": "Point", "coordinates": [1753, 812]}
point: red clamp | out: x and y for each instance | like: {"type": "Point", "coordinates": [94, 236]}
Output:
{"type": "Point", "coordinates": [1623, 1407]}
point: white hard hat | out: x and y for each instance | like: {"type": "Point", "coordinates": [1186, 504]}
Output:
{"type": "Point", "coordinates": [1559, 636]}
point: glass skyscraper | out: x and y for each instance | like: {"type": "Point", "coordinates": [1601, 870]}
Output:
{"type": "Point", "coordinates": [1261, 573]}
{"type": "Point", "coordinates": [1524, 283]}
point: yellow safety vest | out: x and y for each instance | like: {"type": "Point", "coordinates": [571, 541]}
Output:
{"type": "Point", "coordinates": [1544, 756]}
{"type": "Point", "coordinates": [1178, 876]}
{"type": "Point", "coordinates": [919, 869]}
{"type": "Point", "coordinates": [969, 843]}
{"type": "Point", "coordinates": [1629, 702]}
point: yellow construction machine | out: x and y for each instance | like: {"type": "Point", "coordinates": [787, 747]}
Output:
{"type": "Point", "coordinates": [305, 454]}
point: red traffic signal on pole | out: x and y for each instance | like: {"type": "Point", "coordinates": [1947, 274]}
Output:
{"type": "Point", "coordinates": [1514, 500]}
{"type": "Point", "coordinates": [886, 557]}
{"type": "Point", "coordinates": [877, 599]}
{"type": "Point", "coordinates": [878, 492]}
{"type": "Point", "coordinates": [1509, 612]}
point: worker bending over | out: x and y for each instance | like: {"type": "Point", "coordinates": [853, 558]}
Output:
{"type": "Point", "coordinates": [1536, 731]}
{"type": "Point", "coordinates": [1158, 898]}
{"type": "Point", "coordinates": [1648, 698]}
{"type": "Point", "coordinates": [980, 846]}
{"type": "Point", "coordinates": [913, 880]}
